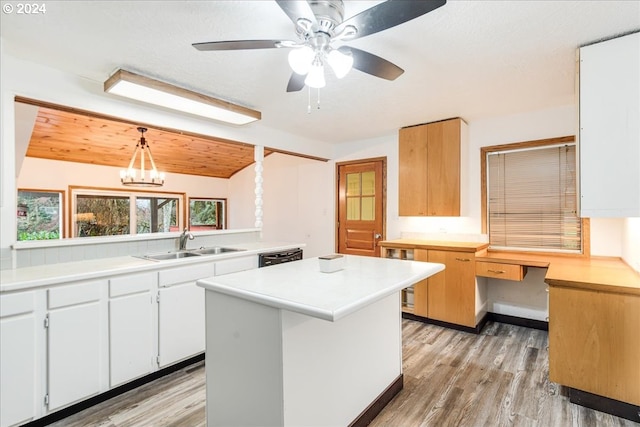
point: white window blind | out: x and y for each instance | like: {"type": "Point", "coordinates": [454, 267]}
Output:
{"type": "Point", "coordinates": [532, 199]}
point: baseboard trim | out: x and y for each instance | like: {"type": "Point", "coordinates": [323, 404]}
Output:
{"type": "Point", "coordinates": [372, 411]}
{"type": "Point", "coordinates": [518, 321]}
{"type": "Point", "coordinates": [605, 404]}
{"type": "Point", "coordinates": [116, 391]}
{"type": "Point", "coordinates": [457, 327]}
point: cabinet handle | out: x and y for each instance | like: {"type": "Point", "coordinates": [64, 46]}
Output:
{"type": "Point", "coordinates": [496, 271]}
{"type": "Point", "coordinates": [463, 259]}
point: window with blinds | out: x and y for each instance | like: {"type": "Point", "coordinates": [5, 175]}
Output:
{"type": "Point", "coordinates": [532, 199]}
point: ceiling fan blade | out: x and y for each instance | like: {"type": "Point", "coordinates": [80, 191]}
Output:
{"type": "Point", "coordinates": [238, 45]}
{"type": "Point", "coordinates": [296, 82]}
{"type": "Point", "coordinates": [387, 15]}
{"type": "Point", "coordinates": [372, 64]}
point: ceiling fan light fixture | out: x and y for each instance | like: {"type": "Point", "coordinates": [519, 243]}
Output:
{"type": "Point", "coordinates": [300, 59]}
{"type": "Point", "coordinates": [315, 77]}
{"type": "Point", "coordinates": [340, 62]}
{"type": "Point", "coordinates": [145, 89]}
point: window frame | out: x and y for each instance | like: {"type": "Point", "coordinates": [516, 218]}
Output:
{"type": "Point", "coordinates": [63, 213]}
{"type": "Point", "coordinates": [585, 225]}
{"type": "Point", "coordinates": [208, 199]}
{"type": "Point", "coordinates": [132, 194]}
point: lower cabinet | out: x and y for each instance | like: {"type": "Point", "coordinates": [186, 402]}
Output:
{"type": "Point", "coordinates": [453, 295]}
{"type": "Point", "coordinates": [17, 358]}
{"type": "Point", "coordinates": [65, 343]}
{"type": "Point", "coordinates": [593, 342]}
{"type": "Point", "coordinates": [131, 326]}
{"type": "Point", "coordinates": [74, 345]}
{"type": "Point", "coordinates": [181, 324]}
{"type": "Point", "coordinates": [452, 292]}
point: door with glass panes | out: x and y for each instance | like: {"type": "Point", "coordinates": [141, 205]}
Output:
{"type": "Point", "coordinates": [361, 202]}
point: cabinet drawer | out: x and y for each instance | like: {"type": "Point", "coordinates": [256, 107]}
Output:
{"type": "Point", "coordinates": [75, 294]}
{"type": "Point", "coordinates": [14, 304]}
{"type": "Point", "coordinates": [131, 284]}
{"type": "Point", "coordinates": [501, 271]}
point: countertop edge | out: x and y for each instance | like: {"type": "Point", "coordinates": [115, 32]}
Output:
{"type": "Point", "coordinates": [11, 282]}
{"type": "Point", "coordinates": [210, 284]}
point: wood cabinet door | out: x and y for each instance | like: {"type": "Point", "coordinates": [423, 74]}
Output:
{"type": "Point", "coordinates": [593, 342]}
{"type": "Point", "coordinates": [412, 171]}
{"type": "Point", "coordinates": [443, 168]}
{"type": "Point", "coordinates": [451, 293]}
{"type": "Point", "coordinates": [421, 289]}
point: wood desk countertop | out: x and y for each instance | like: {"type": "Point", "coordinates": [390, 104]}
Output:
{"type": "Point", "coordinates": [605, 274]}
{"type": "Point", "coordinates": [433, 244]}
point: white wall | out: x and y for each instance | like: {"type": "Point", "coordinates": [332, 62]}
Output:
{"type": "Point", "coordinates": [57, 175]}
{"type": "Point", "coordinates": [298, 202]}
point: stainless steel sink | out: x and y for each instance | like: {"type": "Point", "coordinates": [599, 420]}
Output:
{"type": "Point", "coordinates": [215, 250]}
{"type": "Point", "coordinates": [171, 255]}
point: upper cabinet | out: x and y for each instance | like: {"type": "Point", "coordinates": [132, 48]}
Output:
{"type": "Point", "coordinates": [609, 128]}
{"type": "Point", "coordinates": [429, 168]}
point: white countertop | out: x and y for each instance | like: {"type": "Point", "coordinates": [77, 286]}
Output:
{"type": "Point", "coordinates": [51, 274]}
{"type": "Point", "coordinates": [301, 287]}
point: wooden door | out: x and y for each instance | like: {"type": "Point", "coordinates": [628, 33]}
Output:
{"type": "Point", "coordinates": [443, 168]}
{"type": "Point", "coordinates": [361, 206]}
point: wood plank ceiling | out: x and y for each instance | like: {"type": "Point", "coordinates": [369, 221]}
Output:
{"type": "Point", "coordinates": [78, 137]}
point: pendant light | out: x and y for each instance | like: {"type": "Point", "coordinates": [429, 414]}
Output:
{"type": "Point", "coordinates": [128, 176]}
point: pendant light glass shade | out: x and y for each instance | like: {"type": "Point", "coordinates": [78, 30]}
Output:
{"type": "Point", "coordinates": [315, 77]}
{"type": "Point", "coordinates": [300, 59]}
{"type": "Point", "coordinates": [340, 62]}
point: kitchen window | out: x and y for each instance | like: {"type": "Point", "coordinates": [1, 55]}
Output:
{"type": "Point", "coordinates": [207, 214]}
{"type": "Point", "coordinates": [110, 212]}
{"type": "Point", "coordinates": [39, 214]}
{"type": "Point", "coordinates": [529, 196]}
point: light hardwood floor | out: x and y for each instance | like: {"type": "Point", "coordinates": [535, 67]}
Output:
{"type": "Point", "coordinates": [451, 378]}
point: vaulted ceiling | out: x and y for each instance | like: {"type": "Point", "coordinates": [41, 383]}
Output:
{"type": "Point", "coordinates": [87, 138]}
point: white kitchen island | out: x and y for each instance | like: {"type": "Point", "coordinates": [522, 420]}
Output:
{"type": "Point", "coordinates": [288, 345]}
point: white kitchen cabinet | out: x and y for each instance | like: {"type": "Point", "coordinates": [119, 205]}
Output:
{"type": "Point", "coordinates": [131, 326]}
{"type": "Point", "coordinates": [181, 325]}
{"type": "Point", "coordinates": [234, 265]}
{"type": "Point", "coordinates": [74, 342]}
{"type": "Point", "coordinates": [17, 358]}
{"type": "Point", "coordinates": [610, 128]}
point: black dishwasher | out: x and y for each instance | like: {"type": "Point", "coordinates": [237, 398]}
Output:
{"type": "Point", "coordinates": [273, 258]}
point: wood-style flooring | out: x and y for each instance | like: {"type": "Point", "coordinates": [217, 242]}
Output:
{"type": "Point", "coordinates": [451, 378]}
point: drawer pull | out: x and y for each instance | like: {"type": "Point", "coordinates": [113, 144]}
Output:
{"type": "Point", "coordinates": [497, 271]}
{"type": "Point", "coordinates": [463, 259]}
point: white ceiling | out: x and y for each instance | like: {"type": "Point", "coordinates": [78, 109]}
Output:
{"type": "Point", "coordinates": [471, 59]}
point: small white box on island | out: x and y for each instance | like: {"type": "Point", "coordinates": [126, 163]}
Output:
{"type": "Point", "coordinates": [331, 263]}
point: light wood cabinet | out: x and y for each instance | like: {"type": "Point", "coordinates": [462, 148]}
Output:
{"type": "Point", "coordinates": [452, 296]}
{"type": "Point", "coordinates": [593, 342]}
{"type": "Point", "coordinates": [429, 168]}
{"type": "Point", "coordinates": [452, 292]}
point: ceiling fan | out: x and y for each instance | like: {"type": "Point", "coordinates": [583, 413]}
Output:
{"type": "Point", "coordinates": [319, 23]}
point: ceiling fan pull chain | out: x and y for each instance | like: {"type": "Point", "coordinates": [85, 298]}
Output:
{"type": "Point", "coordinates": [318, 98]}
{"type": "Point", "coordinates": [308, 100]}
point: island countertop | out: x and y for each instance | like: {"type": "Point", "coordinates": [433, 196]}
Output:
{"type": "Point", "coordinates": [301, 287]}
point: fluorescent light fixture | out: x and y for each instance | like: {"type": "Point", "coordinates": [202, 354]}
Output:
{"type": "Point", "coordinates": [145, 89]}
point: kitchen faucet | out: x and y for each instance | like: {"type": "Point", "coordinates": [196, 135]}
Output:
{"type": "Point", "coordinates": [183, 239]}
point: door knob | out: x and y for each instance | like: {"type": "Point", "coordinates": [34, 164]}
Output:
{"type": "Point", "coordinates": [377, 235]}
